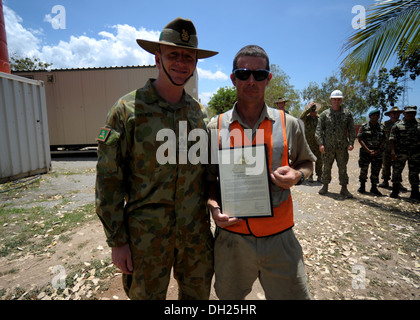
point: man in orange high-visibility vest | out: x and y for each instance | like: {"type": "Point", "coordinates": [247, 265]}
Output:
{"type": "Point", "coordinates": [260, 247]}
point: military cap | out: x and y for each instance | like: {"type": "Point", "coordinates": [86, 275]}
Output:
{"type": "Point", "coordinates": [177, 33]}
{"type": "Point", "coordinates": [281, 100]}
{"type": "Point", "coordinates": [393, 109]}
{"type": "Point", "coordinates": [410, 109]}
{"type": "Point", "coordinates": [317, 106]}
{"type": "Point", "coordinates": [374, 111]}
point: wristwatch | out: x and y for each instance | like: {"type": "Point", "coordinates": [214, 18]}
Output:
{"type": "Point", "coordinates": [301, 179]}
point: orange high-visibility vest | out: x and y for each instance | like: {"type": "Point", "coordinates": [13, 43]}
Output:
{"type": "Point", "coordinates": [275, 140]}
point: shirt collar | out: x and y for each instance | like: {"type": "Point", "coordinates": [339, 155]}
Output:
{"type": "Point", "coordinates": [152, 97]}
{"type": "Point", "coordinates": [265, 113]}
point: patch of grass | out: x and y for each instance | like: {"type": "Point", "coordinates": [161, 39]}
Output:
{"type": "Point", "coordinates": [11, 271]}
{"type": "Point", "coordinates": [19, 227]}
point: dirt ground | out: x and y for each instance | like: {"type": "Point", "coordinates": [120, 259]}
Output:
{"type": "Point", "coordinates": [361, 248]}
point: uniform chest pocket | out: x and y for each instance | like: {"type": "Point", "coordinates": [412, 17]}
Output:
{"type": "Point", "coordinates": [336, 121]}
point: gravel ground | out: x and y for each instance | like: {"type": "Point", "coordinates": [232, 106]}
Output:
{"type": "Point", "coordinates": [361, 248]}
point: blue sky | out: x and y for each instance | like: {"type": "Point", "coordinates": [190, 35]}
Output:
{"type": "Point", "coordinates": [304, 38]}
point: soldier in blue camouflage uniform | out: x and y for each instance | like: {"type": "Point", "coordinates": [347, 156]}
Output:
{"type": "Point", "coordinates": [405, 147]}
{"type": "Point", "coordinates": [371, 137]}
{"type": "Point", "coordinates": [335, 134]}
{"type": "Point", "coordinates": [154, 211]}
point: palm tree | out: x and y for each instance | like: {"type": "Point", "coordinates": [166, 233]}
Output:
{"type": "Point", "coordinates": [392, 28]}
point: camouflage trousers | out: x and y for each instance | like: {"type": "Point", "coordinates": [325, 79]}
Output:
{"type": "Point", "coordinates": [318, 164]}
{"type": "Point", "coordinates": [341, 155]}
{"type": "Point", "coordinates": [157, 249]}
{"type": "Point", "coordinates": [386, 166]}
{"type": "Point", "coordinates": [413, 168]}
{"type": "Point", "coordinates": [375, 162]}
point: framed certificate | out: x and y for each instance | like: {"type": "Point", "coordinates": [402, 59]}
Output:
{"type": "Point", "coordinates": [244, 182]}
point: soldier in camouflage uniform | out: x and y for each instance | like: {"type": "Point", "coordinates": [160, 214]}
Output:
{"type": "Point", "coordinates": [405, 146]}
{"type": "Point", "coordinates": [371, 137]}
{"type": "Point", "coordinates": [154, 211]}
{"type": "Point", "coordinates": [394, 116]}
{"type": "Point", "coordinates": [310, 119]}
{"type": "Point", "coordinates": [335, 134]}
{"type": "Point", "coordinates": [280, 103]}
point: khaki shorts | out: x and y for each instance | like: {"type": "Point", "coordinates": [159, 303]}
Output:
{"type": "Point", "coordinates": [276, 261]}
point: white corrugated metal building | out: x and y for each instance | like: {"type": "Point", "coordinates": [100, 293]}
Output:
{"type": "Point", "coordinates": [24, 139]}
{"type": "Point", "coordinates": [78, 100]}
{"type": "Point", "coordinates": [43, 110]}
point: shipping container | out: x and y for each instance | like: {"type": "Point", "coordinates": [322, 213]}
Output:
{"type": "Point", "coordinates": [78, 100]}
{"type": "Point", "coordinates": [24, 139]}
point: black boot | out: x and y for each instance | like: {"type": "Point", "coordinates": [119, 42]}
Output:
{"type": "Point", "coordinates": [395, 190]}
{"type": "Point", "coordinates": [345, 192]}
{"type": "Point", "coordinates": [375, 190]}
{"type": "Point", "coordinates": [402, 188]}
{"type": "Point", "coordinates": [324, 189]}
{"type": "Point", "coordinates": [362, 188]}
{"type": "Point", "coordinates": [384, 184]}
{"type": "Point", "coordinates": [415, 193]}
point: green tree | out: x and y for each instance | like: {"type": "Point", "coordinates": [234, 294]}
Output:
{"type": "Point", "coordinates": [27, 64]}
{"type": "Point", "coordinates": [222, 100]}
{"type": "Point", "coordinates": [410, 66]}
{"type": "Point", "coordinates": [356, 93]}
{"type": "Point", "coordinates": [280, 87]}
{"type": "Point", "coordinates": [392, 29]}
{"type": "Point", "coordinates": [386, 92]}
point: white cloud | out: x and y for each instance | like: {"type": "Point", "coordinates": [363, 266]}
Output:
{"type": "Point", "coordinates": [206, 74]}
{"type": "Point", "coordinates": [112, 48]}
{"type": "Point", "coordinates": [205, 97]}
{"type": "Point", "coordinates": [48, 18]}
{"type": "Point", "coordinates": [117, 48]}
{"type": "Point", "coordinates": [21, 41]}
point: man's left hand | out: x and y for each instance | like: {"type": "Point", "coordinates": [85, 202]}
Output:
{"type": "Point", "coordinates": [285, 177]}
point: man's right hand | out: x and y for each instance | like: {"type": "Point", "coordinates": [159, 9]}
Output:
{"type": "Point", "coordinates": [223, 220]}
{"type": "Point", "coordinates": [121, 258]}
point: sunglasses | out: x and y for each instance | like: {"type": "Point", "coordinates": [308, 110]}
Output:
{"type": "Point", "coordinates": [244, 74]}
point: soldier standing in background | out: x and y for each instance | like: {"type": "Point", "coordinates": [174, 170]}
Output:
{"type": "Point", "coordinates": [310, 119]}
{"type": "Point", "coordinates": [154, 214]}
{"type": "Point", "coordinates": [405, 146]}
{"type": "Point", "coordinates": [394, 116]}
{"type": "Point", "coordinates": [371, 137]}
{"type": "Point", "coordinates": [280, 103]}
{"type": "Point", "coordinates": [335, 134]}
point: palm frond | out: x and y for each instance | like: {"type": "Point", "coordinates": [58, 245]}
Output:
{"type": "Point", "coordinates": [392, 27]}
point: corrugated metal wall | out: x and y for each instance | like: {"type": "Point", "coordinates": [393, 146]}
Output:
{"type": "Point", "coordinates": [78, 100]}
{"type": "Point", "coordinates": [24, 140]}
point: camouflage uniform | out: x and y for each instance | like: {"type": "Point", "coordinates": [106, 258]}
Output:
{"type": "Point", "coordinates": [407, 147]}
{"type": "Point", "coordinates": [159, 209]}
{"type": "Point", "coordinates": [310, 128]}
{"type": "Point", "coordinates": [374, 138]}
{"type": "Point", "coordinates": [331, 131]}
{"type": "Point", "coordinates": [386, 160]}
